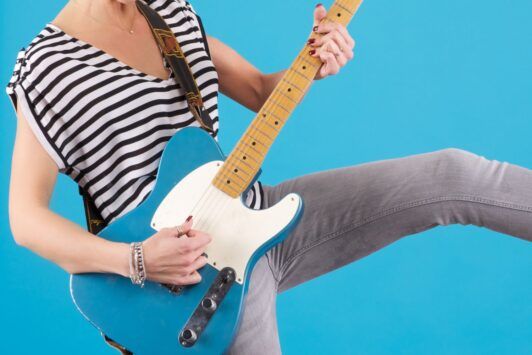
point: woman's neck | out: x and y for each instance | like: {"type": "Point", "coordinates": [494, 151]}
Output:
{"type": "Point", "coordinates": [112, 13]}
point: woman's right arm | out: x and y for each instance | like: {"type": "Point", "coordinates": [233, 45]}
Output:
{"type": "Point", "coordinates": [33, 176]}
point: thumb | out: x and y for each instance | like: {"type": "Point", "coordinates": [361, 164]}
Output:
{"type": "Point", "coordinates": [319, 14]}
{"type": "Point", "coordinates": [185, 227]}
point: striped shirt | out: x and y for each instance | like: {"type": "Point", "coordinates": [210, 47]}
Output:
{"type": "Point", "coordinates": [105, 124]}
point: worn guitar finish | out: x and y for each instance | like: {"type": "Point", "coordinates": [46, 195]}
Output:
{"type": "Point", "coordinates": [194, 178]}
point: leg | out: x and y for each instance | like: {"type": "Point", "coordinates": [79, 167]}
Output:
{"type": "Point", "coordinates": [258, 329]}
{"type": "Point", "coordinates": [352, 212]}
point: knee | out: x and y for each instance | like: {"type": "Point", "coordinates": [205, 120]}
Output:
{"type": "Point", "coordinates": [455, 166]}
{"type": "Point", "coordinates": [455, 157]}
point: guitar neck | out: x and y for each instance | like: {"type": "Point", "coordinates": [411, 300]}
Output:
{"type": "Point", "coordinates": [244, 162]}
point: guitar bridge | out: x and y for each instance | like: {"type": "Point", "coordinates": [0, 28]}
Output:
{"type": "Point", "coordinates": [174, 289]}
{"type": "Point", "coordinates": [208, 305]}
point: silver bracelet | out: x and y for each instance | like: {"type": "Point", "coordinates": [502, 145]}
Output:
{"type": "Point", "coordinates": [137, 268]}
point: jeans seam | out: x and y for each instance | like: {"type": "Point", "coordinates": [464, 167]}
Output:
{"type": "Point", "coordinates": [397, 209]}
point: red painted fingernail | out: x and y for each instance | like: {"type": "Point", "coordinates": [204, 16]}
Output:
{"type": "Point", "coordinates": [320, 4]}
{"type": "Point", "coordinates": [315, 29]}
{"type": "Point", "coordinates": [189, 218]}
{"type": "Point", "coordinates": [311, 40]}
{"type": "Point", "coordinates": [312, 52]}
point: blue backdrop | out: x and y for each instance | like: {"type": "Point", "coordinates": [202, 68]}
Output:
{"type": "Point", "coordinates": [427, 75]}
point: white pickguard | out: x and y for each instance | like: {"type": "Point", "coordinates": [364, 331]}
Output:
{"type": "Point", "coordinates": [237, 231]}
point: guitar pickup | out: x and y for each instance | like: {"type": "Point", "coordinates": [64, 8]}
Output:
{"type": "Point", "coordinates": [208, 305]}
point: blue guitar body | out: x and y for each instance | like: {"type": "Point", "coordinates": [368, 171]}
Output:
{"type": "Point", "coordinates": [150, 320]}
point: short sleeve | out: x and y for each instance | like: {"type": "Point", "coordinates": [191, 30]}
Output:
{"type": "Point", "coordinates": [202, 28]}
{"type": "Point", "coordinates": [22, 92]}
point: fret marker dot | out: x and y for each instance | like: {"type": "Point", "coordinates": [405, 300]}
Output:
{"type": "Point", "coordinates": [339, 15]}
{"type": "Point", "coordinates": [276, 122]}
{"type": "Point", "coordinates": [236, 170]}
{"type": "Point", "coordinates": [228, 181]}
{"type": "Point", "coordinates": [289, 89]}
{"type": "Point", "coordinates": [304, 67]}
{"type": "Point", "coordinates": [253, 143]}
{"type": "Point", "coordinates": [244, 157]}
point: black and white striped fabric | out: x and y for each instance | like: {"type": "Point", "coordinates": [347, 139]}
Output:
{"type": "Point", "coordinates": [104, 123]}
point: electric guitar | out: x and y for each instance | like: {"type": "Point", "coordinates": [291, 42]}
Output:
{"type": "Point", "coordinates": [194, 178]}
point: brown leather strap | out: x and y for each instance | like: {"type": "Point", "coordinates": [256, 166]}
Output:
{"type": "Point", "coordinates": [175, 57]}
{"type": "Point", "coordinates": [95, 222]}
{"type": "Point", "coordinates": [113, 344]}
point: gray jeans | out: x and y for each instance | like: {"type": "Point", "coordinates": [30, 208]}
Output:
{"type": "Point", "coordinates": [352, 212]}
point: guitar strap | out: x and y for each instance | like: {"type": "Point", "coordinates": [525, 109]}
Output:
{"type": "Point", "coordinates": [174, 56]}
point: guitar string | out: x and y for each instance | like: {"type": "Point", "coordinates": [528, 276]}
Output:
{"type": "Point", "coordinates": [208, 204]}
{"type": "Point", "coordinates": [215, 205]}
{"type": "Point", "coordinates": [254, 128]}
{"type": "Point", "coordinates": [200, 208]}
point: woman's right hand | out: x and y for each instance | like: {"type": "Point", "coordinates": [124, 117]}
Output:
{"type": "Point", "coordinates": [173, 258]}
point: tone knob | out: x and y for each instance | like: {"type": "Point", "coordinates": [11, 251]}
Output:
{"type": "Point", "coordinates": [209, 304]}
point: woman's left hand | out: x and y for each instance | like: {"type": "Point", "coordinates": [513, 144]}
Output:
{"type": "Point", "coordinates": [335, 47]}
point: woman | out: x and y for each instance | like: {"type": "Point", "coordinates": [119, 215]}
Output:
{"type": "Point", "coordinates": [96, 101]}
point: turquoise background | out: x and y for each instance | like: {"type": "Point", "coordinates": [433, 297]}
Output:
{"type": "Point", "coordinates": [427, 75]}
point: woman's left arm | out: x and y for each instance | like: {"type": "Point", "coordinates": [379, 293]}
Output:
{"type": "Point", "coordinates": [244, 83]}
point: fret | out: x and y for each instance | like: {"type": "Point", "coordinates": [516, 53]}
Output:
{"type": "Point", "coordinates": [338, 3]}
{"type": "Point", "coordinates": [286, 96]}
{"type": "Point", "coordinates": [301, 74]}
{"type": "Point", "coordinates": [308, 62]}
{"type": "Point", "coordinates": [272, 127]}
{"type": "Point", "coordinates": [293, 85]}
{"type": "Point", "coordinates": [242, 165]}
{"type": "Point", "coordinates": [261, 129]}
{"type": "Point", "coordinates": [292, 92]}
{"type": "Point", "coordinates": [257, 140]}
{"type": "Point", "coordinates": [275, 116]}
{"type": "Point", "coordinates": [254, 144]}
{"type": "Point", "coordinates": [233, 189]}
{"type": "Point", "coordinates": [246, 163]}
{"type": "Point", "coordinates": [231, 166]}
{"type": "Point", "coordinates": [269, 135]}
{"type": "Point", "coordinates": [228, 182]}
{"type": "Point", "coordinates": [245, 155]}
{"type": "Point", "coordinates": [236, 169]}
{"type": "Point", "coordinates": [248, 147]}
{"type": "Point", "coordinates": [285, 107]}
{"type": "Point", "coordinates": [227, 175]}
{"type": "Point", "coordinates": [285, 102]}
{"type": "Point", "coordinates": [257, 148]}
{"type": "Point", "coordinates": [233, 174]}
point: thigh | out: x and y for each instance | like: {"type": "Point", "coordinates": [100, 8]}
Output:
{"type": "Point", "coordinates": [354, 211]}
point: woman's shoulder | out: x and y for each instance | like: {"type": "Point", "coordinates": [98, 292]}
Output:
{"type": "Point", "coordinates": [29, 58]}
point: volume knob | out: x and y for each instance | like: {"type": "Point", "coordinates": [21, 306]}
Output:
{"type": "Point", "coordinates": [209, 304]}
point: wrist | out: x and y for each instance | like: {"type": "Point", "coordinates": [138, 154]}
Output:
{"type": "Point", "coordinates": [119, 258]}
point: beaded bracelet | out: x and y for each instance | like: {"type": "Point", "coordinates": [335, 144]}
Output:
{"type": "Point", "coordinates": [137, 268]}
